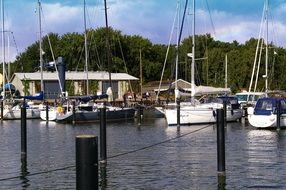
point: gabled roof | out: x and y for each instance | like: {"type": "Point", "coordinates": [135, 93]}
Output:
{"type": "Point", "coordinates": [73, 75]}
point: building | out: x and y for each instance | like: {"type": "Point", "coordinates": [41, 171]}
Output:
{"type": "Point", "coordinates": [75, 83]}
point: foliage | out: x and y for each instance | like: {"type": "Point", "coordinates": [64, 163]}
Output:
{"type": "Point", "coordinates": [127, 51]}
{"type": "Point", "coordinates": [26, 88]}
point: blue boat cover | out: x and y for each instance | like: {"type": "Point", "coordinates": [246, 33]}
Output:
{"type": "Point", "coordinates": [267, 106]}
{"type": "Point", "coordinates": [39, 96]}
{"type": "Point", "coordinates": [88, 98]}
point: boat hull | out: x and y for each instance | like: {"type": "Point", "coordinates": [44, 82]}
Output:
{"type": "Point", "coordinates": [16, 114]}
{"type": "Point", "coordinates": [189, 116]}
{"type": "Point", "coordinates": [52, 115]}
{"type": "Point", "coordinates": [266, 121]}
{"type": "Point", "coordinates": [94, 116]}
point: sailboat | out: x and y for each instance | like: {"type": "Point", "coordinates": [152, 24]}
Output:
{"type": "Point", "coordinates": [85, 110]}
{"type": "Point", "coordinates": [195, 112]}
{"type": "Point", "coordinates": [11, 107]}
{"type": "Point", "coordinates": [264, 114]}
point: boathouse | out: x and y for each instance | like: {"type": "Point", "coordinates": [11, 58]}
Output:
{"type": "Point", "coordinates": [75, 83]}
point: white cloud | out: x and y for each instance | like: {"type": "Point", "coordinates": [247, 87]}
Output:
{"type": "Point", "coordinates": [151, 19]}
{"type": "Point", "coordinates": [59, 18]}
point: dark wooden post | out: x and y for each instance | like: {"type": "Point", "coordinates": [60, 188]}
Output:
{"type": "Point", "coordinates": [23, 130]}
{"type": "Point", "coordinates": [178, 114]}
{"type": "Point", "coordinates": [220, 142]}
{"type": "Point", "coordinates": [86, 162]}
{"type": "Point", "coordinates": [103, 135]}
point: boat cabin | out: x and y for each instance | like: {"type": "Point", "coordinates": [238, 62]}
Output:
{"type": "Point", "coordinates": [267, 106]}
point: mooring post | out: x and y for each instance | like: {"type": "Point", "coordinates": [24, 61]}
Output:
{"type": "Point", "coordinates": [86, 162]}
{"type": "Point", "coordinates": [73, 112]}
{"type": "Point", "coordinates": [47, 111]}
{"type": "Point", "coordinates": [220, 142]}
{"type": "Point", "coordinates": [103, 134]}
{"type": "Point", "coordinates": [278, 114]}
{"type": "Point", "coordinates": [225, 111]}
{"type": "Point", "coordinates": [2, 110]}
{"type": "Point", "coordinates": [139, 112]}
{"type": "Point", "coordinates": [23, 130]}
{"type": "Point", "coordinates": [178, 114]}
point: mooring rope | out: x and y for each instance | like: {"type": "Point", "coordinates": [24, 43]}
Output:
{"type": "Point", "coordinates": [114, 156]}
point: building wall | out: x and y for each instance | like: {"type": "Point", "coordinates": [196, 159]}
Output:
{"type": "Point", "coordinates": [99, 90]}
{"type": "Point", "coordinates": [32, 87]}
{"type": "Point", "coordinates": [18, 85]}
{"type": "Point", "coordinates": [120, 88]}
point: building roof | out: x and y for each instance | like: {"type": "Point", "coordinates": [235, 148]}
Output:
{"type": "Point", "coordinates": [73, 75]}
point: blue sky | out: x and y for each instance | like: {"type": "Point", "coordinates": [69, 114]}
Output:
{"type": "Point", "coordinates": [232, 19]}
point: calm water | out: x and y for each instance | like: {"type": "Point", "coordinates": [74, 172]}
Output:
{"type": "Point", "coordinates": [166, 158]}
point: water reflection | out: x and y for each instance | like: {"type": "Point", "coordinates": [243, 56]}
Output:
{"type": "Point", "coordinates": [173, 159]}
{"type": "Point", "coordinates": [24, 173]}
{"type": "Point", "coordinates": [103, 176]}
{"type": "Point", "coordinates": [263, 156]}
{"type": "Point", "coordinates": [221, 182]}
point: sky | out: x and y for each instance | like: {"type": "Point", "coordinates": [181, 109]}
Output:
{"type": "Point", "coordinates": [225, 20]}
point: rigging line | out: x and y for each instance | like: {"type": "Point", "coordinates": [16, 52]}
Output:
{"type": "Point", "coordinates": [258, 66]}
{"type": "Point", "coordinates": [17, 50]}
{"type": "Point", "coordinates": [118, 155]}
{"type": "Point", "coordinates": [167, 53]}
{"type": "Point", "coordinates": [124, 61]}
{"type": "Point", "coordinates": [159, 143]}
{"type": "Point", "coordinates": [177, 48]}
{"type": "Point", "coordinates": [256, 51]}
{"type": "Point", "coordinates": [92, 38]}
{"type": "Point", "coordinates": [96, 50]}
{"type": "Point", "coordinates": [210, 15]}
{"type": "Point", "coordinates": [51, 48]}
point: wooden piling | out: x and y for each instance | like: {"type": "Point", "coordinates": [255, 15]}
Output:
{"type": "Point", "coordinates": [23, 130]}
{"type": "Point", "coordinates": [220, 142]}
{"type": "Point", "coordinates": [86, 162]}
{"type": "Point", "coordinates": [103, 157]}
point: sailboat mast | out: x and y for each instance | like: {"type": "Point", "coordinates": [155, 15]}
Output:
{"type": "Point", "coordinates": [266, 43]}
{"type": "Point", "coordinates": [40, 46]}
{"type": "Point", "coordinates": [8, 55]}
{"type": "Point", "coordinates": [193, 54]}
{"type": "Point", "coordinates": [107, 44]}
{"type": "Point", "coordinates": [225, 71]}
{"type": "Point", "coordinates": [3, 48]}
{"type": "Point", "coordinates": [85, 49]}
{"type": "Point", "coordinates": [177, 58]}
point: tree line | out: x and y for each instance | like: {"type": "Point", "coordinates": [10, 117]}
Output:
{"type": "Point", "coordinates": [128, 50]}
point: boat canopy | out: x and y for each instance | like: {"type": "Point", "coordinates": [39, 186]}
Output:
{"type": "Point", "coordinates": [88, 98]}
{"type": "Point", "coordinates": [185, 89]}
{"type": "Point", "coordinates": [267, 106]}
{"type": "Point", "coordinates": [39, 96]}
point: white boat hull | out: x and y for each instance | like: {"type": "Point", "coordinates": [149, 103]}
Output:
{"type": "Point", "coordinates": [197, 115]}
{"type": "Point", "coordinates": [112, 114]}
{"type": "Point", "coordinates": [265, 121]}
{"type": "Point", "coordinates": [52, 115]}
{"type": "Point", "coordinates": [14, 113]}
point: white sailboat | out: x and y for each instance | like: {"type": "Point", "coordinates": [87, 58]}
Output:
{"type": "Point", "coordinates": [12, 109]}
{"type": "Point", "coordinates": [264, 114]}
{"type": "Point", "coordinates": [86, 111]}
{"type": "Point", "coordinates": [195, 112]}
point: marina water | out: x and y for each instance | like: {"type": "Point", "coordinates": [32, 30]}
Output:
{"type": "Point", "coordinates": [146, 156]}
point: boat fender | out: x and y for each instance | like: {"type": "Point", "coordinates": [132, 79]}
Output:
{"type": "Point", "coordinates": [60, 109]}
